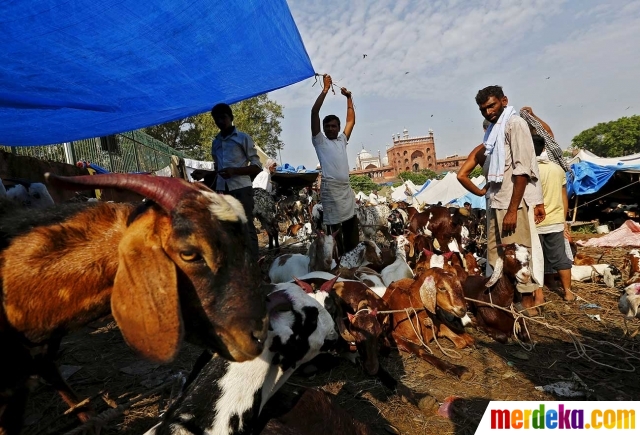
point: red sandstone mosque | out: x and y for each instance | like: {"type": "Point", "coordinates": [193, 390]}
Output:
{"type": "Point", "coordinates": [405, 154]}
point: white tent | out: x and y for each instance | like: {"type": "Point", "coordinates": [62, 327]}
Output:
{"type": "Point", "coordinates": [446, 190]}
{"type": "Point", "coordinates": [630, 163]}
{"type": "Point", "coordinates": [399, 193]}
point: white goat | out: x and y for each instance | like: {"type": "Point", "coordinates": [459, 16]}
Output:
{"type": "Point", "coordinates": [585, 273]}
{"type": "Point", "coordinates": [320, 256]}
{"type": "Point", "coordinates": [227, 397]}
{"type": "Point", "coordinates": [629, 304]}
{"type": "Point", "coordinates": [31, 195]}
{"type": "Point", "coordinates": [399, 269]}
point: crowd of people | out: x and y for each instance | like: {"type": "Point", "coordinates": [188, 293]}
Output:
{"type": "Point", "coordinates": [525, 188]}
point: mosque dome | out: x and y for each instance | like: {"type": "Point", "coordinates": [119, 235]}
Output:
{"type": "Point", "coordinates": [364, 155]}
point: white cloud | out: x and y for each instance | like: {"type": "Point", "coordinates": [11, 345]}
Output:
{"type": "Point", "coordinates": [453, 48]}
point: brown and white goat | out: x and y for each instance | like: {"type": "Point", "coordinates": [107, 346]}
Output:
{"type": "Point", "coordinates": [436, 222]}
{"type": "Point", "coordinates": [434, 288]}
{"type": "Point", "coordinates": [632, 262]}
{"type": "Point", "coordinates": [512, 267]}
{"type": "Point", "coordinates": [177, 266]}
{"type": "Point", "coordinates": [355, 309]}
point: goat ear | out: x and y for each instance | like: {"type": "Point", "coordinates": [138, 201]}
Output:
{"type": "Point", "coordinates": [447, 255]}
{"type": "Point", "coordinates": [427, 252]}
{"type": "Point", "coordinates": [303, 285]}
{"type": "Point", "coordinates": [350, 316]}
{"type": "Point", "coordinates": [428, 294]}
{"type": "Point", "coordinates": [497, 273]}
{"type": "Point", "coordinates": [145, 300]}
{"type": "Point", "coordinates": [411, 249]}
{"type": "Point", "coordinates": [328, 286]}
{"type": "Point", "coordinates": [335, 233]}
{"type": "Point", "coordinates": [374, 312]}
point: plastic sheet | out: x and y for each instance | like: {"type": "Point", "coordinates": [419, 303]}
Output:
{"type": "Point", "coordinates": [81, 69]}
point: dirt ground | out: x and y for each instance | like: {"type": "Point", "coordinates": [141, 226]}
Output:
{"type": "Point", "coordinates": [104, 369]}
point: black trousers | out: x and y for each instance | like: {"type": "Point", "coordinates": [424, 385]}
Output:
{"type": "Point", "coordinates": [245, 196]}
{"type": "Point", "coordinates": [348, 237]}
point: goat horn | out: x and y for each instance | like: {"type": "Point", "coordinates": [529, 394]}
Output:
{"type": "Point", "coordinates": [164, 191]}
{"type": "Point", "coordinates": [497, 273]}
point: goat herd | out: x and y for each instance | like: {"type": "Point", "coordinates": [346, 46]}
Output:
{"type": "Point", "coordinates": [177, 268]}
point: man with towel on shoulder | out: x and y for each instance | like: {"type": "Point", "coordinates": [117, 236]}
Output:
{"type": "Point", "coordinates": [338, 201]}
{"type": "Point", "coordinates": [515, 202]}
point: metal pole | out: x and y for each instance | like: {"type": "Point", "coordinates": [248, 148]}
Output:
{"type": "Point", "coordinates": [69, 153]}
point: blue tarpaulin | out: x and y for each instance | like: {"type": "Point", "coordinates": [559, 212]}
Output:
{"type": "Point", "coordinates": [78, 69]}
{"type": "Point", "coordinates": [589, 177]}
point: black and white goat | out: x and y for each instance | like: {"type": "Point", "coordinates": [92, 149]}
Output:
{"type": "Point", "coordinates": [227, 397]}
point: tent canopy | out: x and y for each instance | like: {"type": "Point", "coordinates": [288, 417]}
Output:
{"type": "Point", "coordinates": [445, 190]}
{"type": "Point", "coordinates": [78, 69]}
{"type": "Point", "coordinates": [591, 172]}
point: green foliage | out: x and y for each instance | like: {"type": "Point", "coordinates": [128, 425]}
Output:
{"type": "Point", "coordinates": [418, 178]}
{"type": "Point", "coordinates": [611, 139]}
{"type": "Point", "coordinates": [477, 171]}
{"type": "Point", "coordinates": [259, 117]}
{"type": "Point", "coordinates": [362, 183]}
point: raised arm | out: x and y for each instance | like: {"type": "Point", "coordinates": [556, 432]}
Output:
{"type": "Point", "coordinates": [315, 110]}
{"type": "Point", "coordinates": [475, 158]}
{"type": "Point", "coordinates": [544, 124]}
{"type": "Point", "coordinates": [351, 114]}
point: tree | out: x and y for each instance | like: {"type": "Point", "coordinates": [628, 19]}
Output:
{"type": "Point", "coordinates": [418, 178]}
{"type": "Point", "coordinates": [259, 117]}
{"type": "Point", "coordinates": [362, 183]}
{"type": "Point", "coordinates": [477, 171]}
{"type": "Point", "coordinates": [611, 139]}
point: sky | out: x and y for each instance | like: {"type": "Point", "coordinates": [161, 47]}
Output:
{"type": "Point", "coordinates": [576, 63]}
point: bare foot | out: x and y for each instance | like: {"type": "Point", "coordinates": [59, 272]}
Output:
{"type": "Point", "coordinates": [568, 296]}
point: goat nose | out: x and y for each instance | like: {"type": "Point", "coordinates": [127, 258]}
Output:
{"type": "Point", "coordinates": [260, 335]}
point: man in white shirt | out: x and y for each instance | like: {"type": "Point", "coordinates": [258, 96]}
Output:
{"type": "Point", "coordinates": [338, 201]}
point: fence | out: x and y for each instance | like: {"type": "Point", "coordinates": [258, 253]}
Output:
{"type": "Point", "coordinates": [133, 151]}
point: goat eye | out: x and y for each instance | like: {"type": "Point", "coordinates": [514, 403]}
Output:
{"type": "Point", "coordinates": [190, 256]}
{"type": "Point", "coordinates": [442, 289]}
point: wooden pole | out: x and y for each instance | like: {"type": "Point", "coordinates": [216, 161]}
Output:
{"type": "Point", "coordinates": [575, 209]}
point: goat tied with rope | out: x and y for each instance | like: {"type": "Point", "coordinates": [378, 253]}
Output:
{"type": "Point", "coordinates": [415, 321]}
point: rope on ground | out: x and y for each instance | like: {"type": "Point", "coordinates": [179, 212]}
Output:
{"type": "Point", "coordinates": [414, 311]}
{"type": "Point", "coordinates": [581, 349]}
{"type": "Point", "coordinates": [102, 419]}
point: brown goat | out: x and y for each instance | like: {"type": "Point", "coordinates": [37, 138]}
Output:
{"type": "Point", "coordinates": [473, 269]}
{"type": "Point", "coordinates": [632, 262]}
{"type": "Point", "coordinates": [433, 288]}
{"type": "Point", "coordinates": [436, 222]}
{"type": "Point", "coordinates": [307, 411]}
{"type": "Point", "coordinates": [177, 266]}
{"type": "Point", "coordinates": [364, 326]}
{"type": "Point", "coordinates": [499, 289]}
